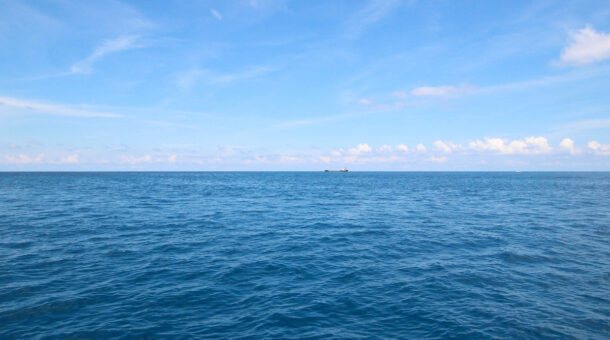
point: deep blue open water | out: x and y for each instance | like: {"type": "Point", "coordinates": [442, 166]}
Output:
{"type": "Point", "coordinates": [305, 255]}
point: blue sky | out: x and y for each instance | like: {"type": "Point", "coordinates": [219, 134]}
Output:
{"type": "Point", "coordinates": [304, 85]}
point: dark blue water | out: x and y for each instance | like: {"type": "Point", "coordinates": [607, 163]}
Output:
{"type": "Point", "coordinates": [305, 255]}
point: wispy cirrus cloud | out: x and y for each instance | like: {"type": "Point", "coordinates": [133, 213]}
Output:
{"type": "Point", "coordinates": [374, 11]}
{"type": "Point", "coordinates": [586, 46]}
{"type": "Point", "coordinates": [399, 94]}
{"type": "Point", "coordinates": [442, 91]}
{"type": "Point", "coordinates": [19, 106]}
{"type": "Point", "coordinates": [451, 91]}
{"type": "Point", "coordinates": [216, 14]}
{"type": "Point", "coordinates": [252, 72]}
{"type": "Point", "coordinates": [188, 79]}
{"type": "Point", "coordinates": [589, 124]}
{"type": "Point", "coordinates": [119, 44]}
{"type": "Point", "coordinates": [310, 121]}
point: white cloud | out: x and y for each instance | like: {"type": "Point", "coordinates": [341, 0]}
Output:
{"type": "Point", "coordinates": [52, 109]}
{"type": "Point", "coordinates": [437, 159]}
{"type": "Point", "coordinates": [130, 159]}
{"type": "Point", "coordinates": [360, 149]}
{"type": "Point", "coordinates": [567, 145]}
{"type": "Point", "coordinates": [529, 145]}
{"type": "Point", "coordinates": [446, 147]}
{"type": "Point", "coordinates": [363, 153]}
{"type": "Point", "coordinates": [256, 159]}
{"type": "Point", "coordinates": [325, 159]}
{"type": "Point", "coordinates": [70, 159]}
{"type": "Point", "coordinates": [136, 160]}
{"type": "Point", "coordinates": [216, 14]}
{"type": "Point", "coordinates": [385, 148]}
{"type": "Point", "coordinates": [442, 91]}
{"type": "Point", "coordinates": [586, 46]}
{"type": "Point", "coordinates": [598, 148]}
{"type": "Point", "coordinates": [290, 159]}
{"type": "Point", "coordinates": [110, 46]}
{"type": "Point", "coordinates": [23, 159]}
{"type": "Point", "coordinates": [402, 147]}
{"type": "Point", "coordinates": [372, 159]}
{"type": "Point", "coordinates": [538, 144]}
{"type": "Point", "coordinates": [365, 101]}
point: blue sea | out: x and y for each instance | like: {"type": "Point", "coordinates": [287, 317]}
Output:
{"type": "Point", "coordinates": [305, 255]}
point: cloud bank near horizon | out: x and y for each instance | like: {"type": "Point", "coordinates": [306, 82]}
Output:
{"type": "Point", "coordinates": [532, 150]}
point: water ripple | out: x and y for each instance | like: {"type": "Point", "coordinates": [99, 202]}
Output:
{"type": "Point", "coordinates": [304, 255]}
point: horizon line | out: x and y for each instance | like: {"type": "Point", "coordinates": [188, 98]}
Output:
{"type": "Point", "coordinates": [299, 171]}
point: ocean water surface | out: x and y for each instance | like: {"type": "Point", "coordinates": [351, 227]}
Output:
{"type": "Point", "coordinates": [305, 255]}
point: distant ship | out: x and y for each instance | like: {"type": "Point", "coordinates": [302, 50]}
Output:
{"type": "Point", "coordinates": [340, 170]}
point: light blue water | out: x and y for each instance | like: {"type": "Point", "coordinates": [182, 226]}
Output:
{"type": "Point", "coordinates": [305, 255]}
